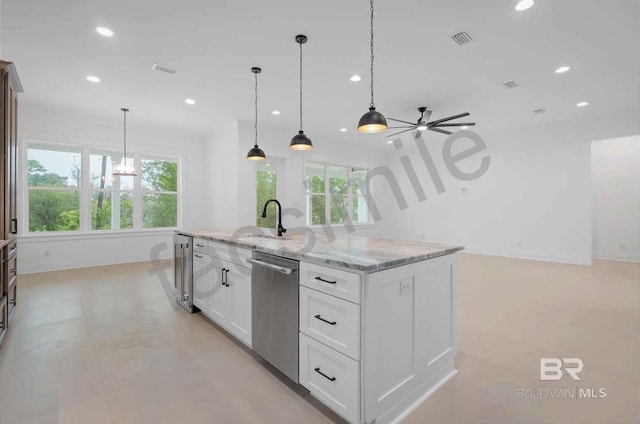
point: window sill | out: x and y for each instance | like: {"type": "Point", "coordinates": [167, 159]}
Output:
{"type": "Point", "coordinates": [92, 235]}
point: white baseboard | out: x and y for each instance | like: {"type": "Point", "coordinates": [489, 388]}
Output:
{"type": "Point", "coordinates": [619, 258]}
{"type": "Point", "coordinates": [532, 257]}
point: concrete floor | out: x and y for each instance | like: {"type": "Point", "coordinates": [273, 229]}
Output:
{"type": "Point", "coordinates": [105, 345]}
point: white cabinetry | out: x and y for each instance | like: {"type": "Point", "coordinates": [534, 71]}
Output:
{"type": "Point", "coordinates": [393, 340]}
{"type": "Point", "coordinates": [222, 286]}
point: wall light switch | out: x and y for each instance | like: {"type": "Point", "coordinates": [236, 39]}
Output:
{"type": "Point", "coordinates": [405, 287]}
{"type": "Point", "coordinates": [464, 190]}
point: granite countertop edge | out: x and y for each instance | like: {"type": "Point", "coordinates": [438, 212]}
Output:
{"type": "Point", "coordinates": [322, 259]}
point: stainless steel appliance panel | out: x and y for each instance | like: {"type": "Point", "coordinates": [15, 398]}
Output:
{"type": "Point", "coordinates": [183, 271]}
{"type": "Point", "coordinates": [275, 311]}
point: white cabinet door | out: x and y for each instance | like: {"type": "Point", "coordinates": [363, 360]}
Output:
{"type": "Point", "coordinates": [238, 279]}
{"type": "Point", "coordinates": [201, 281]}
{"type": "Point", "coordinates": [218, 300]}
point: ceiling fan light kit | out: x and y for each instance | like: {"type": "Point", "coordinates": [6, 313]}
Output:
{"type": "Point", "coordinates": [300, 141]}
{"type": "Point", "coordinates": [256, 153]}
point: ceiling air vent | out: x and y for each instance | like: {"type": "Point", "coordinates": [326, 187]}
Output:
{"type": "Point", "coordinates": [510, 85]}
{"type": "Point", "coordinates": [165, 69]}
{"type": "Point", "coordinates": [462, 38]}
{"type": "Point", "coordinates": [539, 110]}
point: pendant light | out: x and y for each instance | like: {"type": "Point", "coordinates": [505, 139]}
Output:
{"type": "Point", "coordinates": [300, 141]}
{"type": "Point", "coordinates": [124, 170]}
{"type": "Point", "coordinates": [256, 153]}
{"type": "Point", "coordinates": [372, 121]}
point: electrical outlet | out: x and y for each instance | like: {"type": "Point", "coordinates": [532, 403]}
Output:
{"type": "Point", "coordinates": [405, 287]}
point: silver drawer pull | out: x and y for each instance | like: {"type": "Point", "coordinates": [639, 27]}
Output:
{"type": "Point", "coordinates": [199, 245]}
{"type": "Point", "coordinates": [324, 375]}
{"type": "Point", "coordinates": [325, 281]}
{"type": "Point", "coordinates": [322, 319]}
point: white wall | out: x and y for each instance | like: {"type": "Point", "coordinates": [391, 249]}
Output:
{"type": "Point", "coordinates": [533, 202]}
{"type": "Point", "coordinates": [615, 170]}
{"type": "Point", "coordinates": [67, 126]}
{"type": "Point", "coordinates": [236, 197]}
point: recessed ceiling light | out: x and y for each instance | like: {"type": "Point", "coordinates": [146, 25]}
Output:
{"type": "Point", "coordinates": [190, 101]}
{"type": "Point", "coordinates": [562, 69]}
{"type": "Point", "coordinates": [343, 130]}
{"type": "Point", "coordinates": [105, 32]}
{"type": "Point", "coordinates": [390, 141]}
{"type": "Point", "coordinates": [524, 5]}
{"type": "Point", "coordinates": [275, 112]}
{"type": "Point", "coordinates": [464, 127]}
{"type": "Point", "coordinates": [92, 78]}
{"type": "Point", "coordinates": [583, 104]}
{"type": "Point", "coordinates": [355, 78]}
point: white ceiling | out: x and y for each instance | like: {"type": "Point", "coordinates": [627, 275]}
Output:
{"type": "Point", "coordinates": [213, 44]}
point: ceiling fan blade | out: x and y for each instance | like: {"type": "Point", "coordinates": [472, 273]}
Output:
{"type": "Point", "coordinates": [439, 130]}
{"type": "Point", "coordinates": [427, 115]}
{"type": "Point", "coordinates": [404, 126]}
{"type": "Point", "coordinates": [436, 122]}
{"type": "Point", "coordinates": [400, 120]}
{"type": "Point", "coordinates": [391, 135]}
{"type": "Point", "coordinates": [466, 124]}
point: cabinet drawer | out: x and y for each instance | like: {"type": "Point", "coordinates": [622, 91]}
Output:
{"type": "Point", "coordinates": [331, 377]}
{"type": "Point", "coordinates": [332, 321]}
{"type": "Point", "coordinates": [342, 284]}
{"type": "Point", "coordinates": [230, 253]}
{"type": "Point", "coordinates": [11, 271]}
{"type": "Point", "coordinates": [200, 245]}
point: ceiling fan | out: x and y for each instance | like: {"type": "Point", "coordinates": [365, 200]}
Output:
{"type": "Point", "coordinates": [423, 125]}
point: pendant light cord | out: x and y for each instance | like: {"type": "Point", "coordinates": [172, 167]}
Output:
{"type": "Point", "coordinates": [255, 126]}
{"type": "Point", "coordinates": [372, 55]}
{"type": "Point", "coordinates": [125, 140]}
{"type": "Point", "coordinates": [300, 43]}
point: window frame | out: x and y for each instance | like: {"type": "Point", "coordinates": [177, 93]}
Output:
{"type": "Point", "coordinates": [85, 191]}
{"type": "Point", "coordinates": [327, 193]}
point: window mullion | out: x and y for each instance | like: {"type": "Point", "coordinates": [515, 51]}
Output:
{"type": "Point", "coordinates": [85, 190]}
{"type": "Point", "coordinates": [349, 195]}
{"type": "Point", "coordinates": [137, 194]}
{"type": "Point", "coordinates": [327, 195]}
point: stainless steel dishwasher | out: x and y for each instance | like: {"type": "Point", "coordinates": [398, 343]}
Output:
{"type": "Point", "coordinates": [274, 296]}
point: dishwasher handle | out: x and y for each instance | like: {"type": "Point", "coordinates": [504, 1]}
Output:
{"type": "Point", "coordinates": [280, 269]}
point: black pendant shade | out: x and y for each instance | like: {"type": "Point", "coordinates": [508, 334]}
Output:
{"type": "Point", "coordinates": [300, 142]}
{"type": "Point", "coordinates": [256, 153]}
{"type": "Point", "coordinates": [372, 122]}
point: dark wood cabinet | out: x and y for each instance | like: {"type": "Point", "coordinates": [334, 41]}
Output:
{"type": "Point", "coordinates": [9, 88]}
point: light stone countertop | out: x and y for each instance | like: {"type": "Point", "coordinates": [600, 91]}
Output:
{"type": "Point", "coordinates": [359, 253]}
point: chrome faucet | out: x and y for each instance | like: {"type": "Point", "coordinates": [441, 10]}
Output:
{"type": "Point", "coordinates": [281, 229]}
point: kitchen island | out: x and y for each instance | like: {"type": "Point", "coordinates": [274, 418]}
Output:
{"type": "Point", "coordinates": [377, 318]}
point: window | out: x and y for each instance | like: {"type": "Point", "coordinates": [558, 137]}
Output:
{"type": "Point", "coordinates": [111, 196]}
{"type": "Point", "coordinates": [63, 196]}
{"type": "Point", "coordinates": [266, 188]}
{"type": "Point", "coordinates": [336, 194]}
{"type": "Point", "coordinates": [53, 186]}
{"type": "Point", "coordinates": [159, 193]}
